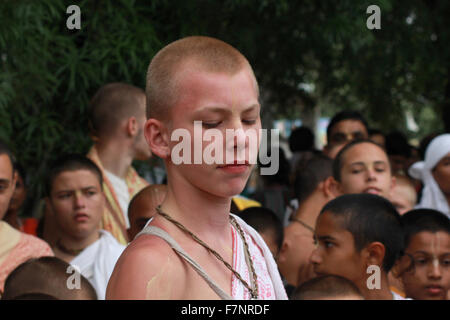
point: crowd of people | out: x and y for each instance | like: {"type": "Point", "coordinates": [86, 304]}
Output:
{"type": "Point", "coordinates": [367, 217]}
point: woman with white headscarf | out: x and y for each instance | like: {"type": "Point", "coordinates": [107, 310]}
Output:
{"type": "Point", "coordinates": [435, 175]}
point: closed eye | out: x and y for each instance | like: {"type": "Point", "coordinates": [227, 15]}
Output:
{"type": "Point", "coordinates": [209, 125]}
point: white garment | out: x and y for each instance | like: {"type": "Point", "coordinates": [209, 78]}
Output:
{"type": "Point", "coordinates": [121, 190]}
{"type": "Point", "coordinates": [97, 261]}
{"type": "Point", "coordinates": [396, 296]}
{"type": "Point", "coordinates": [432, 196]}
{"type": "Point", "coordinates": [272, 268]}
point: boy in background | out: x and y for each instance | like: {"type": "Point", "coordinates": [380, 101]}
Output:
{"type": "Point", "coordinates": [426, 264]}
{"type": "Point", "coordinates": [357, 233]}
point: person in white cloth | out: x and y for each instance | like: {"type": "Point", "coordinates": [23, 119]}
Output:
{"type": "Point", "coordinates": [194, 248]}
{"type": "Point", "coordinates": [74, 193]}
{"type": "Point", "coordinates": [434, 173]}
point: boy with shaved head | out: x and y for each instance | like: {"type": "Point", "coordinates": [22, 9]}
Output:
{"type": "Point", "coordinates": [15, 246]}
{"type": "Point", "coordinates": [194, 248]}
{"type": "Point", "coordinates": [358, 235]}
{"type": "Point", "coordinates": [48, 276]}
{"type": "Point", "coordinates": [143, 207]}
{"type": "Point", "coordinates": [116, 119]}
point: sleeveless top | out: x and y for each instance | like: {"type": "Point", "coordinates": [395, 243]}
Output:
{"type": "Point", "coordinates": [240, 263]}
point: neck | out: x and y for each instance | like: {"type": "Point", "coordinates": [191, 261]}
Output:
{"type": "Point", "coordinates": [77, 244]}
{"type": "Point", "coordinates": [115, 158]}
{"type": "Point", "coordinates": [309, 209]}
{"type": "Point", "coordinates": [205, 215]}
{"type": "Point", "coordinates": [384, 293]}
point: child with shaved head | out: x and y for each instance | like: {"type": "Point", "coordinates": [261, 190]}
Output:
{"type": "Point", "coordinates": [190, 81]}
{"type": "Point", "coordinates": [328, 287]}
{"type": "Point", "coordinates": [143, 207]}
{"type": "Point", "coordinates": [47, 278]}
{"type": "Point", "coordinates": [357, 235]}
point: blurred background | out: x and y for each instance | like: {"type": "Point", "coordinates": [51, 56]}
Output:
{"type": "Point", "coordinates": [311, 58]}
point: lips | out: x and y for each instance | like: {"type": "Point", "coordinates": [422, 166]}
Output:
{"type": "Point", "coordinates": [234, 168]}
{"type": "Point", "coordinates": [81, 217]}
{"type": "Point", "coordinates": [434, 290]}
{"type": "Point", "coordinates": [372, 190]}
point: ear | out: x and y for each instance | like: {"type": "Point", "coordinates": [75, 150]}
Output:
{"type": "Point", "coordinates": [334, 187]}
{"type": "Point", "coordinates": [132, 126]}
{"type": "Point", "coordinates": [374, 254]}
{"type": "Point", "coordinates": [329, 188]}
{"type": "Point", "coordinates": [284, 251]}
{"type": "Point", "coordinates": [157, 138]}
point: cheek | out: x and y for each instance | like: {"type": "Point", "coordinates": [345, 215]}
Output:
{"type": "Point", "coordinates": [352, 183]}
{"type": "Point", "coordinates": [412, 280]}
{"type": "Point", "coordinates": [442, 177]}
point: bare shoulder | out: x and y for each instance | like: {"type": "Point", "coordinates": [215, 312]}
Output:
{"type": "Point", "coordinates": [147, 269]}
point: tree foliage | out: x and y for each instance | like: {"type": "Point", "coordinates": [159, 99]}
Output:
{"type": "Point", "coordinates": [305, 53]}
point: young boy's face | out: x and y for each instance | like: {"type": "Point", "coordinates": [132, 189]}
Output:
{"type": "Point", "coordinates": [221, 102]}
{"type": "Point", "coordinates": [365, 169]}
{"type": "Point", "coordinates": [347, 130]}
{"type": "Point", "coordinates": [78, 202]}
{"type": "Point", "coordinates": [429, 278]}
{"type": "Point", "coordinates": [335, 251]}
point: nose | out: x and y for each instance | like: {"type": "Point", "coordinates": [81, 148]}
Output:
{"type": "Point", "coordinates": [236, 138]}
{"type": "Point", "coordinates": [434, 270]}
{"type": "Point", "coordinates": [315, 257]}
{"type": "Point", "coordinates": [371, 176]}
{"type": "Point", "coordinates": [79, 200]}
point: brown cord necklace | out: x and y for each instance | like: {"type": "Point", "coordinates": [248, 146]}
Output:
{"type": "Point", "coordinates": [254, 291]}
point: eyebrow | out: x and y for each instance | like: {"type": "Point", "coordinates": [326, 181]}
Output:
{"type": "Point", "coordinates": [71, 190]}
{"type": "Point", "coordinates": [5, 181]}
{"type": "Point", "coordinates": [323, 238]}
{"type": "Point", "coordinates": [216, 109]}
{"type": "Point", "coordinates": [362, 163]}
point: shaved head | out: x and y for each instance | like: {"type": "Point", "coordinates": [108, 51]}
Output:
{"type": "Point", "coordinates": [112, 104]}
{"type": "Point", "coordinates": [46, 276]}
{"type": "Point", "coordinates": [191, 53]}
{"type": "Point", "coordinates": [142, 207]}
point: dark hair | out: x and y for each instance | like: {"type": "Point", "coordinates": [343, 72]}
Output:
{"type": "Point", "coordinates": [337, 162]}
{"type": "Point", "coordinates": [43, 276]}
{"type": "Point", "coordinates": [370, 218]}
{"type": "Point", "coordinates": [262, 219]}
{"type": "Point", "coordinates": [70, 162]}
{"type": "Point", "coordinates": [418, 220]}
{"type": "Point", "coordinates": [4, 149]}
{"type": "Point", "coordinates": [34, 296]}
{"type": "Point", "coordinates": [397, 144]}
{"type": "Point", "coordinates": [301, 139]}
{"type": "Point", "coordinates": [373, 131]}
{"type": "Point", "coordinates": [325, 286]}
{"type": "Point", "coordinates": [309, 174]}
{"type": "Point", "coordinates": [345, 115]}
